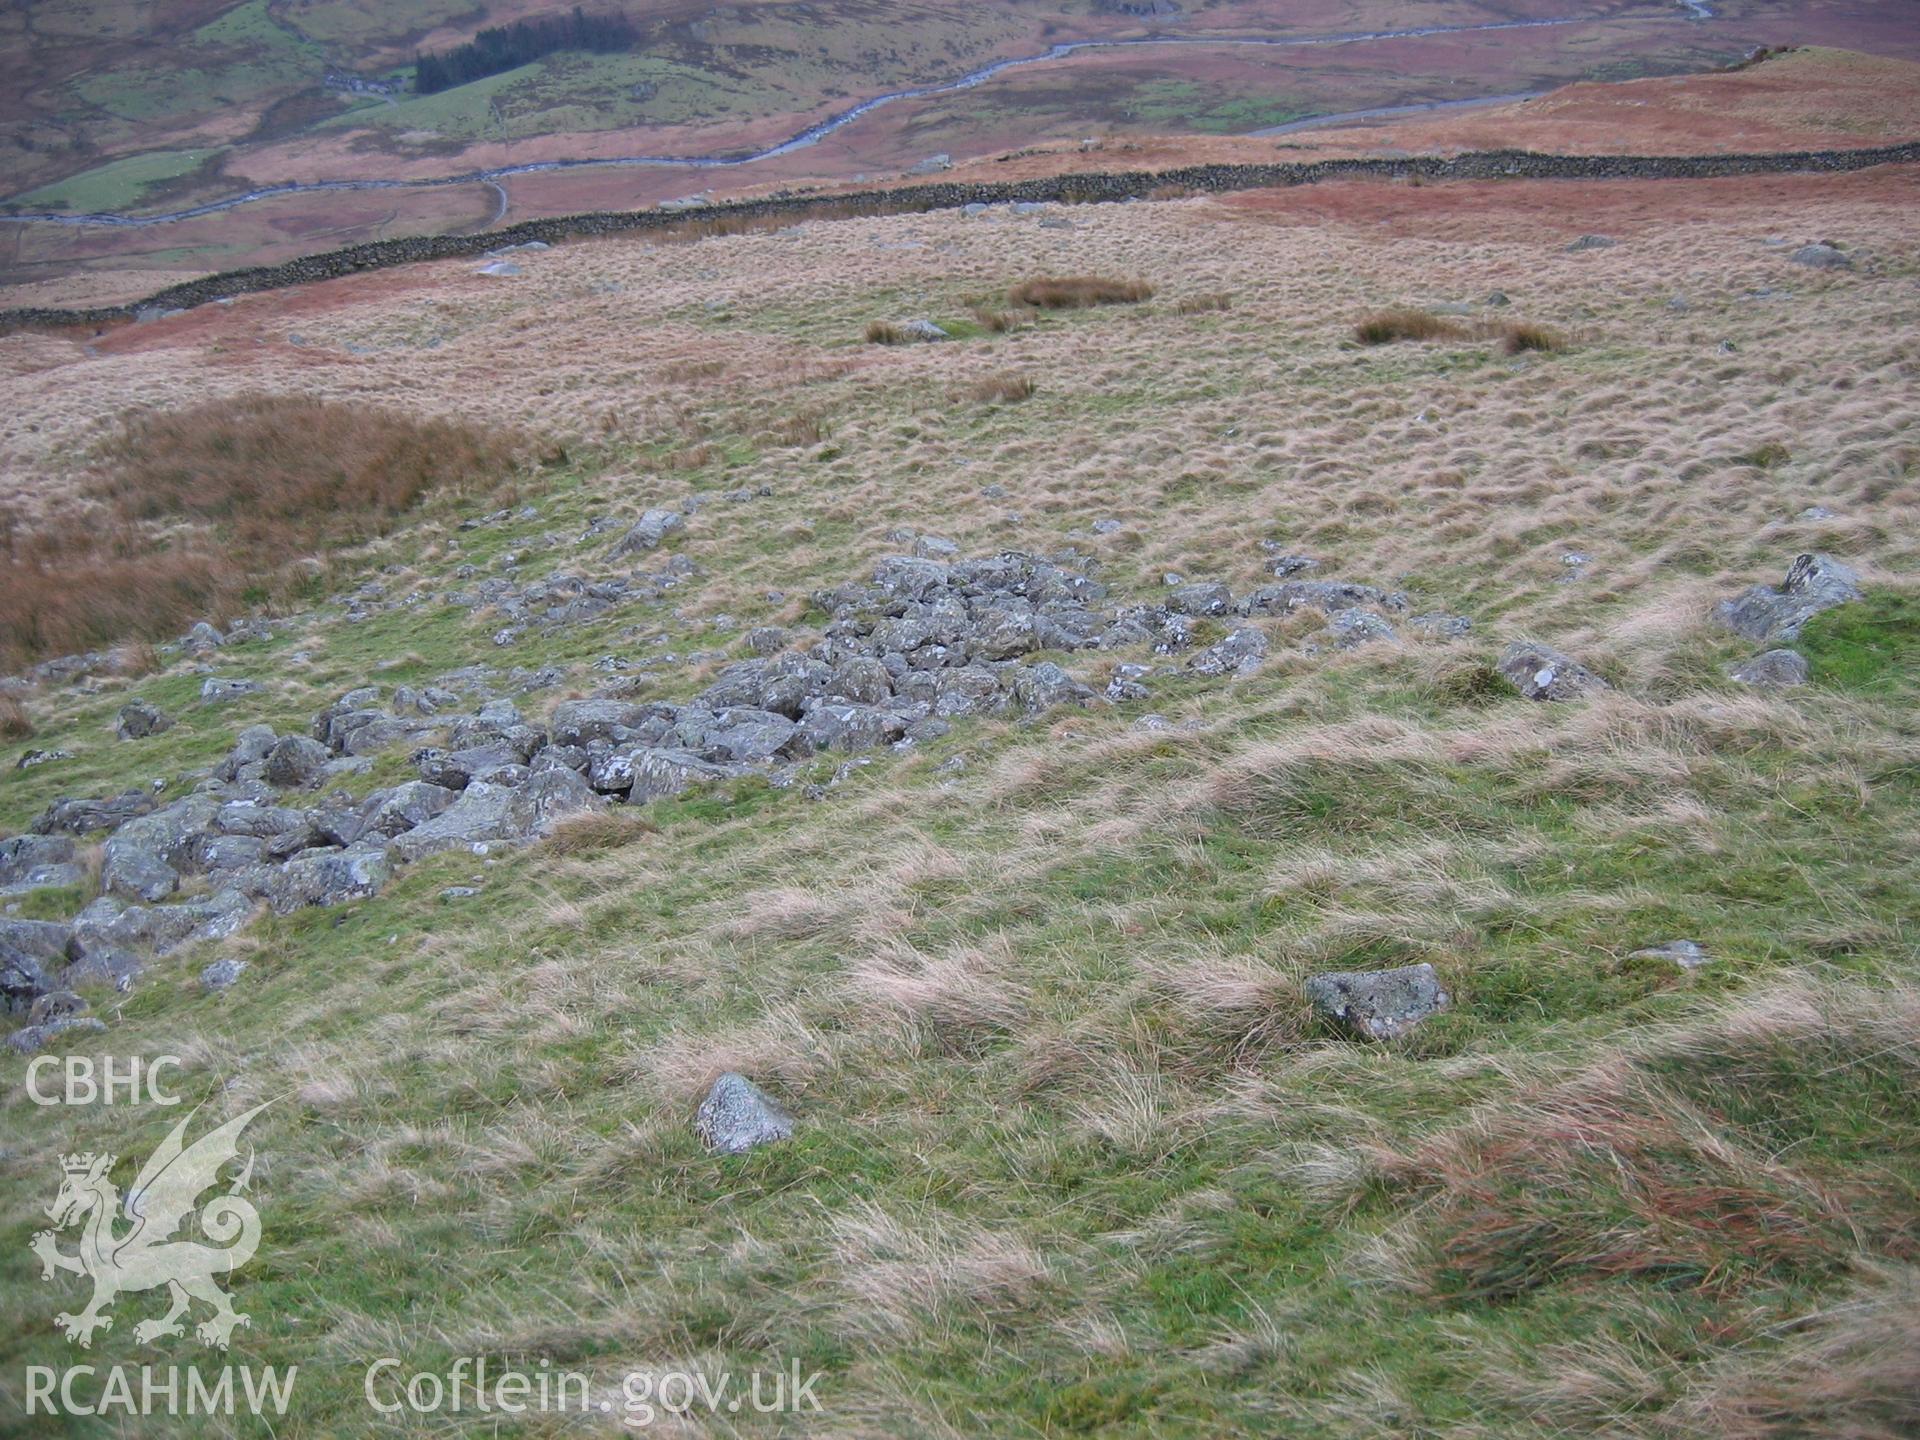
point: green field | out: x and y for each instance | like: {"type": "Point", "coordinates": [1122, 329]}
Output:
{"type": "Point", "coordinates": [119, 185]}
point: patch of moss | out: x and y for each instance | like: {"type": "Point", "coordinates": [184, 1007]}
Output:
{"type": "Point", "coordinates": [1871, 646]}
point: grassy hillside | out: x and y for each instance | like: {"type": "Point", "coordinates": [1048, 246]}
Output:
{"type": "Point", "coordinates": [1072, 1153]}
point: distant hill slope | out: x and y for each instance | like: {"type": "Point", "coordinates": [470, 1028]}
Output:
{"type": "Point", "coordinates": [165, 109]}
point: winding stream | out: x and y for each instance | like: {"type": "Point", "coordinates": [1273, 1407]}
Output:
{"type": "Point", "coordinates": [813, 134]}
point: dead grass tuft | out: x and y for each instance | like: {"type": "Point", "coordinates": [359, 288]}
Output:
{"type": "Point", "coordinates": [1077, 292]}
{"type": "Point", "coordinates": [1002, 389]}
{"type": "Point", "coordinates": [597, 833]}
{"type": "Point", "coordinates": [1002, 322]}
{"type": "Point", "coordinates": [1383, 327]}
{"type": "Point", "coordinates": [15, 724]}
{"type": "Point", "coordinates": [1522, 337]}
{"type": "Point", "coordinates": [195, 511]}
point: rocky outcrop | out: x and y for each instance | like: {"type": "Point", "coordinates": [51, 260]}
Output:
{"type": "Point", "coordinates": [648, 532]}
{"type": "Point", "coordinates": [1771, 614]}
{"type": "Point", "coordinates": [928, 638]}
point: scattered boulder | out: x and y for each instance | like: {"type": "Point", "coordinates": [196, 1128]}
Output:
{"type": "Point", "coordinates": [648, 532]}
{"type": "Point", "coordinates": [1822, 257]}
{"type": "Point", "coordinates": [330, 877]}
{"type": "Point", "coordinates": [1772, 670]}
{"type": "Point", "coordinates": [139, 719]}
{"type": "Point", "coordinates": [36, 1037]}
{"type": "Point", "coordinates": [216, 691]}
{"type": "Point", "coordinates": [1541, 672]}
{"type": "Point", "coordinates": [1687, 954]}
{"type": "Point", "coordinates": [738, 1115]}
{"type": "Point", "coordinates": [37, 862]}
{"type": "Point", "coordinates": [1768, 613]}
{"type": "Point", "coordinates": [137, 874]}
{"type": "Point", "coordinates": [1378, 1004]}
{"type": "Point", "coordinates": [1235, 655]}
{"type": "Point", "coordinates": [658, 774]}
{"type": "Point", "coordinates": [222, 974]}
{"type": "Point", "coordinates": [1591, 242]}
{"type": "Point", "coordinates": [387, 813]}
{"type": "Point", "coordinates": [766, 640]}
{"type": "Point", "coordinates": [294, 761]}
{"type": "Point", "coordinates": [1353, 627]}
{"type": "Point", "coordinates": [78, 817]}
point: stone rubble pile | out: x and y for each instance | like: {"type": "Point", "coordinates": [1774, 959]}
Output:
{"type": "Point", "coordinates": [929, 639]}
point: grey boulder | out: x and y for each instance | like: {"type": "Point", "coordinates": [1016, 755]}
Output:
{"type": "Point", "coordinates": [1541, 672]}
{"type": "Point", "coordinates": [1772, 670]}
{"type": "Point", "coordinates": [138, 719]}
{"type": "Point", "coordinates": [294, 760]}
{"type": "Point", "coordinates": [1822, 257]}
{"type": "Point", "coordinates": [1239, 654]}
{"type": "Point", "coordinates": [1769, 613]}
{"type": "Point", "coordinates": [34, 862]}
{"type": "Point", "coordinates": [658, 774]}
{"type": "Point", "coordinates": [222, 974]}
{"type": "Point", "coordinates": [738, 1115]}
{"type": "Point", "coordinates": [136, 874]}
{"type": "Point", "coordinates": [1377, 1004]}
{"type": "Point", "coordinates": [648, 532]}
{"type": "Point", "coordinates": [216, 691]}
{"type": "Point", "coordinates": [327, 878]}
{"type": "Point", "coordinates": [1687, 954]}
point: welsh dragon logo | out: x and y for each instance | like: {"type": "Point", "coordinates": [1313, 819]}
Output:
{"type": "Point", "coordinates": [146, 1256]}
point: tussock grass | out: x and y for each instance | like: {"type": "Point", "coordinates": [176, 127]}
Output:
{"type": "Point", "coordinates": [1384, 327]}
{"type": "Point", "coordinates": [15, 723]}
{"type": "Point", "coordinates": [194, 511]}
{"type": "Point", "coordinates": [1001, 321]}
{"type": "Point", "coordinates": [1522, 338]}
{"type": "Point", "coordinates": [1078, 292]}
{"type": "Point", "coordinates": [1203, 304]}
{"type": "Point", "coordinates": [1002, 389]}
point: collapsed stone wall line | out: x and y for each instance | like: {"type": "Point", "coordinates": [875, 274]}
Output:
{"type": "Point", "coordinates": [1094, 187]}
